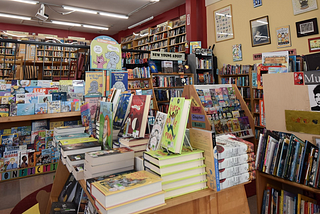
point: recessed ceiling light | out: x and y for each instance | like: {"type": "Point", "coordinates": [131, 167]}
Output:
{"type": "Point", "coordinates": [65, 23]}
{"type": "Point", "coordinates": [95, 27]}
{"type": "Point", "coordinates": [114, 15]}
{"type": "Point", "coordinates": [80, 9]}
{"type": "Point", "coordinates": [15, 16]}
{"type": "Point", "coordinates": [27, 2]}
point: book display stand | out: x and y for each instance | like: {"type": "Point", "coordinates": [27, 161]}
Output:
{"type": "Point", "coordinates": [277, 89]}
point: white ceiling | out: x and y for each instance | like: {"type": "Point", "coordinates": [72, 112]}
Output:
{"type": "Point", "coordinates": [115, 25]}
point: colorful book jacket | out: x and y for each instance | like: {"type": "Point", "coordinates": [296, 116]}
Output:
{"type": "Point", "coordinates": [172, 125]}
{"type": "Point", "coordinates": [62, 96]}
{"type": "Point", "coordinates": [54, 107]}
{"type": "Point", "coordinates": [11, 159]}
{"type": "Point", "coordinates": [66, 106]}
{"type": "Point", "coordinates": [119, 80]}
{"type": "Point", "coordinates": [94, 84]}
{"type": "Point", "coordinates": [86, 118]}
{"type": "Point", "coordinates": [41, 108]}
{"type": "Point", "coordinates": [4, 110]}
{"type": "Point", "coordinates": [122, 109]}
{"type": "Point", "coordinates": [106, 124]}
{"type": "Point", "coordinates": [25, 109]}
{"type": "Point", "coordinates": [157, 130]}
{"type": "Point", "coordinates": [126, 182]}
{"type": "Point", "coordinates": [103, 153]}
{"type": "Point", "coordinates": [38, 139]}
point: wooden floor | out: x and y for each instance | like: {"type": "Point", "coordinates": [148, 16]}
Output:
{"type": "Point", "coordinates": [12, 192]}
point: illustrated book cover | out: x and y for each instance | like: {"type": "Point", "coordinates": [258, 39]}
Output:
{"type": "Point", "coordinates": [157, 130]}
{"type": "Point", "coordinates": [106, 124]}
{"type": "Point", "coordinates": [94, 84]}
{"type": "Point", "coordinates": [25, 109]}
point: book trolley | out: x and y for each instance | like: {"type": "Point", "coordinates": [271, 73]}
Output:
{"type": "Point", "coordinates": [204, 201]}
{"type": "Point", "coordinates": [277, 88]}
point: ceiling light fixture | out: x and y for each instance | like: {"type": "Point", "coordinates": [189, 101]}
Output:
{"type": "Point", "coordinates": [65, 23]}
{"type": "Point", "coordinates": [10, 34]}
{"type": "Point", "coordinates": [95, 27]}
{"type": "Point", "coordinates": [15, 16]}
{"type": "Point", "coordinates": [154, 0]}
{"type": "Point", "coordinates": [79, 9]}
{"type": "Point", "coordinates": [114, 15]}
{"type": "Point", "coordinates": [27, 2]}
{"type": "Point", "coordinates": [139, 23]}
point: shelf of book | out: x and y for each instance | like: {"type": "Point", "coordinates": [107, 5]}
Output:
{"type": "Point", "coordinates": [172, 74]}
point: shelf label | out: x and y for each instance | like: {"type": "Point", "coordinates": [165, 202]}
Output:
{"type": "Point", "coordinates": [197, 117]}
{"type": "Point", "coordinates": [195, 109]}
{"type": "Point", "coordinates": [198, 125]}
{"type": "Point", "coordinates": [156, 55]}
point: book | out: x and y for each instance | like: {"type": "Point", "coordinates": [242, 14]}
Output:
{"type": "Point", "coordinates": [44, 98]}
{"type": "Point", "coordinates": [25, 109]}
{"type": "Point", "coordinates": [175, 126]}
{"type": "Point", "coordinates": [136, 121]}
{"type": "Point", "coordinates": [9, 139]}
{"type": "Point", "coordinates": [54, 107]}
{"type": "Point", "coordinates": [94, 84]}
{"type": "Point", "coordinates": [38, 140]}
{"type": "Point", "coordinates": [38, 125]}
{"type": "Point", "coordinates": [106, 124]}
{"type": "Point", "coordinates": [157, 130]}
{"type": "Point", "coordinates": [13, 110]}
{"type": "Point", "coordinates": [107, 156]}
{"type": "Point", "coordinates": [56, 124]}
{"type": "Point", "coordinates": [62, 96]}
{"type": "Point", "coordinates": [77, 148]}
{"type": "Point", "coordinates": [175, 192]}
{"type": "Point", "coordinates": [86, 118]}
{"type": "Point", "coordinates": [11, 158]}
{"type": "Point", "coordinates": [108, 166]}
{"type": "Point", "coordinates": [63, 207]}
{"type": "Point", "coordinates": [32, 97]}
{"type": "Point", "coordinates": [40, 108]}
{"type": "Point", "coordinates": [76, 159]}
{"type": "Point", "coordinates": [114, 191]}
{"type": "Point", "coordinates": [119, 80]}
{"type": "Point", "coordinates": [66, 106]}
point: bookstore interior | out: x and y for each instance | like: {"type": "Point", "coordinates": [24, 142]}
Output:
{"type": "Point", "coordinates": [203, 103]}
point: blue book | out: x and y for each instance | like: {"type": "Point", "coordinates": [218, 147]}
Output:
{"type": "Point", "coordinates": [295, 157]}
{"type": "Point", "coordinates": [34, 83]}
{"type": "Point", "coordinates": [122, 110]}
{"type": "Point", "coordinates": [106, 124]}
{"type": "Point", "coordinates": [25, 109]}
{"type": "Point", "coordinates": [29, 89]}
{"type": "Point", "coordinates": [62, 96]}
{"type": "Point", "coordinates": [119, 80]}
{"type": "Point", "coordinates": [46, 156]}
{"type": "Point", "coordinates": [66, 106]}
{"type": "Point", "coordinates": [38, 125]}
{"type": "Point", "coordinates": [71, 123]}
{"type": "Point", "coordinates": [41, 108]}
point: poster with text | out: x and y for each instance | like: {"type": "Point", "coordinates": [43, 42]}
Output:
{"type": "Point", "coordinates": [314, 97]}
{"type": "Point", "coordinates": [223, 23]}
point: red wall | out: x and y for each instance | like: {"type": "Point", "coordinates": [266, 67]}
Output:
{"type": "Point", "coordinates": [168, 15]}
{"type": "Point", "coordinates": [60, 33]}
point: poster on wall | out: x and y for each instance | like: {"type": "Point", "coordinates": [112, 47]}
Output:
{"type": "Point", "coordinates": [223, 23]}
{"type": "Point", "coordinates": [302, 6]}
{"type": "Point", "coordinates": [283, 36]}
{"type": "Point", "coordinates": [105, 53]}
{"type": "Point", "coordinates": [279, 60]}
{"type": "Point", "coordinates": [236, 52]}
{"type": "Point", "coordinates": [313, 89]}
{"type": "Point", "coordinates": [260, 32]}
{"type": "Point", "coordinates": [257, 3]}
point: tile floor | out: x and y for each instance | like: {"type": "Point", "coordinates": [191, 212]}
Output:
{"type": "Point", "coordinates": [12, 192]}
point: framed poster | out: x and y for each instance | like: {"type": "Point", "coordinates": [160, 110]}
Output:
{"type": "Point", "coordinates": [257, 3]}
{"type": "Point", "coordinates": [236, 52]}
{"type": "Point", "coordinates": [283, 36]}
{"type": "Point", "coordinates": [223, 23]}
{"type": "Point", "coordinates": [307, 27]}
{"type": "Point", "coordinates": [302, 6]}
{"type": "Point", "coordinates": [260, 32]}
{"type": "Point", "coordinates": [314, 44]}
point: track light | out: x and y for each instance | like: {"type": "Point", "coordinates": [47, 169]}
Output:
{"type": "Point", "coordinates": [80, 9]}
{"type": "Point", "coordinates": [139, 23]}
{"type": "Point", "coordinates": [95, 27]}
{"type": "Point", "coordinates": [15, 16]}
{"type": "Point", "coordinates": [27, 2]}
{"type": "Point", "coordinates": [114, 15]}
{"type": "Point", "coordinates": [65, 23]}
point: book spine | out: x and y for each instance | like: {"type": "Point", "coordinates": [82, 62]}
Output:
{"type": "Point", "coordinates": [294, 161]}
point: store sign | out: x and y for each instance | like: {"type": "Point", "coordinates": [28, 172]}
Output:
{"type": "Point", "coordinates": [156, 55]}
{"type": "Point", "coordinates": [312, 77]}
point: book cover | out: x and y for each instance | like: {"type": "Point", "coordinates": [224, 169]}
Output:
{"type": "Point", "coordinates": [13, 109]}
{"type": "Point", "coordinates": [125, 182]}
{"type": "Point", "coordinates": [55, 124]}
{"type": "Point", "coordinates": [25, 109]}
{"type": "Point", "coordinates": [32, 97]}
{"type": "Point", "coordinates": [94, 84]}
{"type": "Point", "coordinates": [44, 98]}
{"type": "Point", "coordinates": [119, 80]}
{"type": "Point", "coordinates": [4, 110]}
{"type": "Point", "coordinates": [109, 152]}
{"type": "Point", "coordinates": [9, 139]}
{"type": "Point", "coordinates": [46, 156]}
{"type": "Point", "coordinates": [175, 126]}
{"type": "Point", "coordinates": [86, 118]}
{"type": "Point", "coordinates": [106, 124]}
{"type": "Point", "coordinates": [44, 83]}
{"type": "Point", "coordinates": [41, 108]}
{"type": "Point", "coordinates": [38, 125]}
{"type": "Point", "coordinates": [137, 118]}
{"type": "Point", "coordinates": [37, 157]}
{"type": "Point", "coordinates": [62, 96]}
{"type": "Point", "coordinates": [77, 146]}
{"type": "Point", "coordinates": [75, 106]}
{"type": "Point", "coordinates": [38, 139]}
{"type": "Point", "coordinates": [66, 106]}
{"type": "Point", "coordinates": [157, 130]}
{"type": "Point", "coordinates": [54, 107]}
{"type": "Point", "coordinates": [72, 122]}
{"type": "Point", "coordinates": [11, 159]}
{"type": "Point", "coordinates": [122, 110]}
{"type": "Point", "coordinates": [20, 98]}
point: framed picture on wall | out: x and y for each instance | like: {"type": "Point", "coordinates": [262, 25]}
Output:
{"type": "Point", "coordinates": [307, 27]}
{"type": "Point", "coordinates": [302, 6]}
{"type": "Point", "coordinates": [260, 31]}
{"type": "Point", "coordinates": [314, 44]}
{"type": "Point", "coordinates": [223, 23]}
{"type": "Point", "coordinates": [257, 3]}
{"type": "Point", "coordinates": [283, 36]}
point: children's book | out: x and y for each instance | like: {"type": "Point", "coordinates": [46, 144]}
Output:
{"type": "Point", "coordinates": [94, 84]}
{"type": "Point", "coordinates": [25, 109]}
{"type": "Point", "coordinates": [66, 106]}
{"type": "Point", "coordinates": [20, 98]}
{"type": "Point", "coordinates": [31, 158]}
{"type": "Point", "coordinates": [37, 157]}
{"type": "Point", "coordinates": [54, 107]}
{"type": "Point", "coordinates": [64, 85]}
{"type": "Point", "coordinates": [11, 159]}
{"type": "Point", "coordinates": [23, 159]}
{"type": "Point", "coordinates": [13, 109]}
{"type": "Point", "coordinates": [9, 139]}
{"type": "Point", "coordinates": [46, 156]}
{"type": "Point", "coordinates": [56, 124]}
{"type": "Point", "coordinates": [157, 130]}
{"type": "Point", "coordinates": [62, 96]}
{"type": "Point", "coordinates": [71, 123]}
{"type": "Point", "coordinates": [122, 110]}
{"type": "Point", "coordinates": [44, 98]}
{"type": "Point", "coordinates": [86, 118]}
{"type": "Point", "coordinates": [137, 119]}
{"type": "Point", "coordinates": [44, 83]}
{"type": "Point", "coordinates": [24, 130]}
{"type": "Point", "coordinates": [38, 125]}
{"type": "Point", "coordinates": [75, 106]}
{"type": "Point", "coordinates": [4, 110]}
{"type": "Point", "coordinates": [105, 128]}
{"type": "Point", "coordinates": [38, 139]}
{"type": "Point", "coordinates": [175, 125]}
{"type": "Point", "coordinates": [30, 89]}
{"type": "Point", "coordinates": [32, 97]}
{"type": "Point", "coordinates": [119, 80]}
{"type": "Point", "coordinates": [41, 108]}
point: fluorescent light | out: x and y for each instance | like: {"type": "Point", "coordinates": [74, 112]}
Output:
{"type": "Point", "coordinates": [95, 27]}
{"type": "Point", "coordinates": [10, 34]}
{"type": "Point", "coordinates": [114, 15]}
{"type": "Point", "coordinates": [65, 23]}
{"type": "Point", "coordinates": [154, 0]}
{"type": "Point", "coordinates": [26, 1]}
{"type": "Point", "coordinates": [80, 9]}
{"type": "Point", "coordinates": [139, 23]}
{"type": "Point", "coordinates": [14, 16]}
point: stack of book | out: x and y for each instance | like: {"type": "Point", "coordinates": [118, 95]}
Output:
{"type": "Point", "coordinates": [138, 145]}
{"type": "Point", "coordinates": [75, 165]}
{"type": "Point", "coordinates": [181, 173]}
{"type": "Point", "coordinates": [76, 146]}
{"type": "Point", "coordinates": [236, 160]}
{"type": "Point", "coordinates": [63, 132]}
{"type": "Point", "coordinates": [107, 162]}
{"type": "Point", "coordinates": [128, 193]}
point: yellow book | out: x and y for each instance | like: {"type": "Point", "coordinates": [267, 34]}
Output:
{"type": "Point", "coordinates": [126, 187]}
{"type": "Point", "coordinates": [77, 140]}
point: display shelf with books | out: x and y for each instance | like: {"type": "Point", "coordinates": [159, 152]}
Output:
{"type": "Point", "coordinates": [296, 168]}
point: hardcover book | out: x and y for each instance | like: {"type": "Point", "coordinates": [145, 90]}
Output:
{"type": "Point", "coordinates": [119, 80]}
{"type": "Point", "coordinates": [54, 107]}
{"type": "Point", "coordinates": [94, 84]}
{"type": "Point", "coordinates": [175, 126]}
{"type": "Point", "coordinates": [4, 110]}
{"type": "Point", "coordinates": [105, 127]}
{"type": "Point", "coordinates": [38, 125]}
{"type": "Point", "coordinates": [62, 96]}
{"type": "Point", "coordinates": [66, 106]}
{"type": "Point", "coordinates": [41, 108]}
{"type": "Point", "coordinates": [122, 110]}
{"type": "Point", "coordinates": [157, 130]}
{"type": "Point", "coordinates": [32, 97]}
{"type": "Point", "coordinates": [44, 98]}
{"type": "Point", "coordinates": [25, 109]}
{"type": "Point", "coordinates": [12, 159]}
